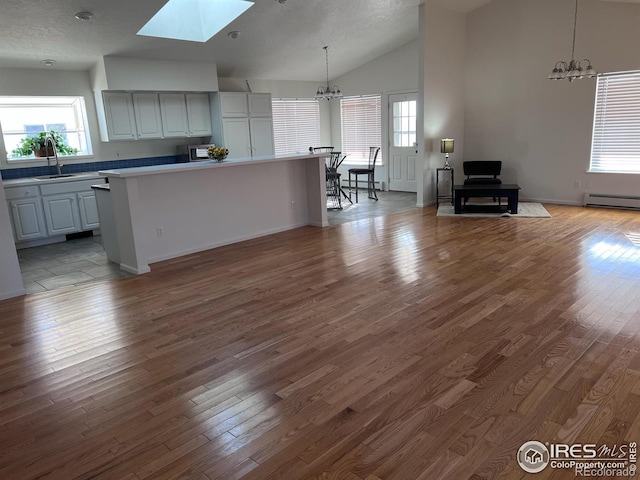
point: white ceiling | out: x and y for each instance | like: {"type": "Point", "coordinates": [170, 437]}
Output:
{"type": "Point", "coordinates": [277, 41]}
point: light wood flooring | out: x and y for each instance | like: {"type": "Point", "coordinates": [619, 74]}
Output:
{"type": "Point", "coordinates": [399, 347]}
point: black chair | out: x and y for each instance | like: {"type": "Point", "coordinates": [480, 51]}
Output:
{"type": "Point", "coordinates": [332, 177]}
{"type": "Point", "coordinates": [482, 172]}
{"type": "Point", "coordinates": [369, 172]}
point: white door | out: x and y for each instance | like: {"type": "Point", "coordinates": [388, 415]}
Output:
{"type": "Point", "coordinates": [403, 142]}
{"type": "Point", "coordinates": [27, 219]}
{"type": "Point", "coordinates": [121, 122]}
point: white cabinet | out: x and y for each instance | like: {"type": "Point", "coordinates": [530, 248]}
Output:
{"type": "Point", "coordinates": [243, 123]}
{"type": "Point", "coordinates": [173, 109]}
{"type": "Point", "coordinates": [120, 116]}
{"type": "Point", "coordinates": [25, 208]}
{"type": "Point", "coordinates": [261, 136]}
{"type": "Point", "coordinates": [259, 104]}
{"type": "Point", "coordinates": [148, 115]}
{"type": "Point", "coordinates": [237, 137]}
{"type": "Point", "coordinates": [199, 114]}
{"type": "Point", "coordinates": [232, 104]}
{"type": "Point", "coordinates": [27, 219]}
{"type": "Point", "coordinates": [61, 213]}
{"type": "Point", "coordinates": [146, 107]}
{"type": "Point", "coordinates": [88, 211]}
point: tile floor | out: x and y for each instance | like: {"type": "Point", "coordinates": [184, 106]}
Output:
{"type": "Point", "coordinates": [67, 263]}
{"type": "Point", "coordinates": [84, 260]}
{"type": "Point", "coordinates": [388, 202]}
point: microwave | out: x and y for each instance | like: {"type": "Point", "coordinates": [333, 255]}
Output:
{"type": "Point", "coordinates": [195, 153]}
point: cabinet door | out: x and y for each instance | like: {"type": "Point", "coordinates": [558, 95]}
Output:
{"type": "Point", "coordinates": [199, 114]}
{"type": "Point", "coordinates": [147, 111]}
{"type": "Point", "coordinates": [233, 104]}
{"type": "Point", "coordinates": [260, 104]}
{"type": "Point", "coordinates": [61, 213]}
{"type": "Point", "coordinates": [88, 211]}
{"type": "Point", "coordinates": [121, 123]}
{"type": "Point", "coordinates": [173, 109]}
{"type": "Point", "coordinates": [236, 137]}
{"type": "Point", "coordinates": [27, 219]}
{"type": "Point", "coordinates": [261, 136]}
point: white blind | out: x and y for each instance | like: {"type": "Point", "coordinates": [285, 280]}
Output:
{"type": "Point", "coordinates": [296, 125]}
{"type": "Point", "coordinates": [615, 146]}
{"type": "Point", "coordinates": [361, 128]}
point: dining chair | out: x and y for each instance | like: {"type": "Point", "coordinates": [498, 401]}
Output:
{"type": "Point", "coordinates": [332, 176]}
{"type": "Point", "coordinates": [369, 172]}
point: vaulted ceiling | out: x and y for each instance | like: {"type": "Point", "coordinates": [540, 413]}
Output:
{"type": "Point", "coordinates": [277, 40]}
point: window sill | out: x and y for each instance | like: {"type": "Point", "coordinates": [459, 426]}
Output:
{"type": "Point", "coordinates": [613, 173]}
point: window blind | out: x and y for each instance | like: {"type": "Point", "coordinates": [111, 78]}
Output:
{"type": "Point", "coordinates": [296, 125]}
{"type": "Point", "coordinates": [615, 145]}
{"type": "Point", "coordinates": [361, 128]}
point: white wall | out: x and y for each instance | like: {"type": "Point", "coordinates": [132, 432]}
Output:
{"type": "Point", "coordinates": [443, 38]}
{"type": "Point", "coordinates": [17, 81]}
{"type": "Point", "coordinates": [10, 276]}
{"type": "Point", "coordinates": [541, 129]}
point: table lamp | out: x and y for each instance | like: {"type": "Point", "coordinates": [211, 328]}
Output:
{"type": "Point", "coordinates": [446, 147]}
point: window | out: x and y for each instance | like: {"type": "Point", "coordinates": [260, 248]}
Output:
{"type": "Point", "coordinates": [361, 127]}
{"type": "Point", "coordinates": [615, 145]}
{"type": "Point", "coordinates": [26, 117]}
{"type": "Point", "coordinates": [404, 123]}
{"type": "Point", "coordinates": [296, 125]}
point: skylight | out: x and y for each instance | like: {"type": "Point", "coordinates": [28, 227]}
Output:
{"type": "Point", "coordinates": [194, 20]}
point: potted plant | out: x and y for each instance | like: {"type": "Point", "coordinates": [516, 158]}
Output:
{"type": "Point", "coordinates": [37, 146]}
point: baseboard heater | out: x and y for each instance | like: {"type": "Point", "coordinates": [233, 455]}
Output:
{"type": "Point", "coordinates": [611, 201]}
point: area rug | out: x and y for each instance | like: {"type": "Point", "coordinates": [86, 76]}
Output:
{"type": "Point", "coordinates": [525, 210]}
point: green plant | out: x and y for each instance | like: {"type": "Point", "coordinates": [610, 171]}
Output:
{"type": "Point", "coordinates": [29, 145]}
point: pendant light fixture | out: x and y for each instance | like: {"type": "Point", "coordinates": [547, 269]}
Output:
{"type": "Point", "coordinates": [330, 91]}
{"type": "Point", "coordinates": [572, 70]}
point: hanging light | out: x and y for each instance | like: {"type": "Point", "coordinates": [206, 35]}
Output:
{"type": "Point", "coordinates": [572, 70]}
{"type": "Point", "coordinates": [330, 91]}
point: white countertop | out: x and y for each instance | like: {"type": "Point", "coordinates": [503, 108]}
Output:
{"type": "Point", "coordinates": [194, 166]}
{"type": "Point", "coordinates": [19, 182]}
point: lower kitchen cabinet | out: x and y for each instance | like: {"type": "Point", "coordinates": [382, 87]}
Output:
{"type": "Point", "coordinates": [88, 211]}
{"type": "Point", "coordinates": [27, 217]}
{"type": "Point", "coordinates": [61, 213]}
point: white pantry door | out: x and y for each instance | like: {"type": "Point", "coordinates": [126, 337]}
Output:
{"type": "Point", "coordinates": [403, 142]}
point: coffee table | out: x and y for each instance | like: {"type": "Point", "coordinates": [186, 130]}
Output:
{"type": "Point", "coordinates": [510, 191]}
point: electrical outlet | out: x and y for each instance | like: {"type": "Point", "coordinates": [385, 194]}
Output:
{"type": "Point", "coordinates": [293, 205]}
{"type": "Point", "coordinates": [160, 232]}
{"type": "Point", "coordinates": [576, 184]}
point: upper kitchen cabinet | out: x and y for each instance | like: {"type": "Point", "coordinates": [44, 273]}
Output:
{"type": "Point", "coordinates": [149, 115]}
{"type": "Point", "coordinates": [118, 116]}
{"type": "Point", "coordinates": [173, 108]}
{"type": "Point", "coordinates": [146, 107]}
{"type": "Point", "coordinates": [243, 123]}
{"type": "Point", "coordinates": [259, 104]}
{"type": "Point", "coordinates": [199, 114]}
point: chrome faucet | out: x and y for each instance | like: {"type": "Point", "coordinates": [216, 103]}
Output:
{"type": "Point", "coordinates": [49, 140]}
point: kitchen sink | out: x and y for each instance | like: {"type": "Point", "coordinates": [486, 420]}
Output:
{"type": "Point", "coordinates": [62, 175]}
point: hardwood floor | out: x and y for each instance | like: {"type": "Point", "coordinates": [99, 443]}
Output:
{"type": "Point", "coordinates": [400, 347]}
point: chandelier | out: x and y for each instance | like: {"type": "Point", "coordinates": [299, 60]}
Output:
{"type": "Point", "coordinates": [572, 70]}
{"type": "Point", "coordinates": [330, 91]}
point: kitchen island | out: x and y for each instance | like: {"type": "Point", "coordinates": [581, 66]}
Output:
{"type": "Point", "coordinates": [167, 211]}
